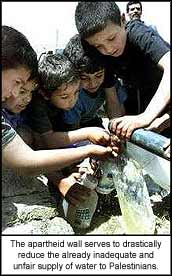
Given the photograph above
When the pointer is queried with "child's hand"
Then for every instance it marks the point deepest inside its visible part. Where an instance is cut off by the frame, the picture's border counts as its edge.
(72, 191)
(98, 135)
(115, 143)
(124, 126)
(100, 152)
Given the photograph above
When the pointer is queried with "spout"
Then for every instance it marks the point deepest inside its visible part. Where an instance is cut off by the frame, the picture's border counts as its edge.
(150, 141)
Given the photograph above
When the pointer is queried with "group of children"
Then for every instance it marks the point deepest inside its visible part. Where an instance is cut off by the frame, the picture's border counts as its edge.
(42, 124)
(54, 104)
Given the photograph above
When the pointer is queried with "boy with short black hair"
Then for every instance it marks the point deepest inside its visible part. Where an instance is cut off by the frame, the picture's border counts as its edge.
(95, 90)
(136, 53)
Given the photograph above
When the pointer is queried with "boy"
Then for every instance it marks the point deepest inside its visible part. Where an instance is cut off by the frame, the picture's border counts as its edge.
(136, 53)
(19, 63)
(93, 91)
(59, 88)
(13, 107)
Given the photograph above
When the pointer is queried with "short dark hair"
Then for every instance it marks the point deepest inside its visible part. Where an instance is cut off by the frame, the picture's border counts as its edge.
(75, 52)
(17, 51)
(55, 70)
(92, 17)
(131, 3)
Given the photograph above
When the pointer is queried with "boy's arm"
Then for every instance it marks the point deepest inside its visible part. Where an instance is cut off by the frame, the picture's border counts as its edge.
(25, 161)
(162, 95)
(112, 105)
(124, 126)
(160, 123)
(53, 139)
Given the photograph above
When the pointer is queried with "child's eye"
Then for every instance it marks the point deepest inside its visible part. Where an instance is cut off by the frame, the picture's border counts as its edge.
(99, 76)
(23, 91)
(64, 97)
(110, 39)
(18, 82)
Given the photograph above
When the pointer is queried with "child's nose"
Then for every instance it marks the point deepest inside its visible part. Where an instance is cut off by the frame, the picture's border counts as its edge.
(92, 83)
(109, 49)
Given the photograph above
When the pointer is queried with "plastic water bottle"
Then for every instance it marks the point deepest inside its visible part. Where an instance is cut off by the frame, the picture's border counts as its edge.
(80, 216)
(106, 182)
(133, 196)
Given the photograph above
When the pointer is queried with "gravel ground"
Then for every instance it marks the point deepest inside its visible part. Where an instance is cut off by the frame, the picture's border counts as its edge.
(108, 220)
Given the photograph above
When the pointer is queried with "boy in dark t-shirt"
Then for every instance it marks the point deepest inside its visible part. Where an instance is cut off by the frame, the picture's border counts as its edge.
(135, 53)
(59, 89)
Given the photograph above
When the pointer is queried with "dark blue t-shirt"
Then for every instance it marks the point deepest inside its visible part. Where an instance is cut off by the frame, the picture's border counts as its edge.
(137, 66)
(88, 104)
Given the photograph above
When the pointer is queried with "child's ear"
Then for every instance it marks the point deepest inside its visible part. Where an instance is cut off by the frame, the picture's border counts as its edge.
(123, 19)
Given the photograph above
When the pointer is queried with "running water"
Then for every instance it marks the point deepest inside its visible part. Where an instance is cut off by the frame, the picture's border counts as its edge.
(133, 196)
(106, 183)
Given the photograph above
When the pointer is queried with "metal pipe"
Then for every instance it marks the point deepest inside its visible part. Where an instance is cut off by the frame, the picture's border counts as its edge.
(150, 141)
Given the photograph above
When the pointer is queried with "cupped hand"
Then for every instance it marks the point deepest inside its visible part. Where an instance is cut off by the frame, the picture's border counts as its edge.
(100, 152)
(98, 135)
(115, 143)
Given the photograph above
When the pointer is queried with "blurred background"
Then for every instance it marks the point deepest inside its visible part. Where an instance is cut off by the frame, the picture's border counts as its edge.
(49, 25)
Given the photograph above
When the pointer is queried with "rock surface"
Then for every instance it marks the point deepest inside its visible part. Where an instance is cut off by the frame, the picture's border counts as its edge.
(28, 208)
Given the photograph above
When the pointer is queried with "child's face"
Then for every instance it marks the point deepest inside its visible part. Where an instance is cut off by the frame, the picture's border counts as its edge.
(92, 82)
(19, 103)
(110, 41)
(66, 95)
(12, 81)
(135, 11)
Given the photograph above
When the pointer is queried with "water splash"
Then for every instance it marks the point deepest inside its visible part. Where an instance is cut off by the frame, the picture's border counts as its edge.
(133, 196)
